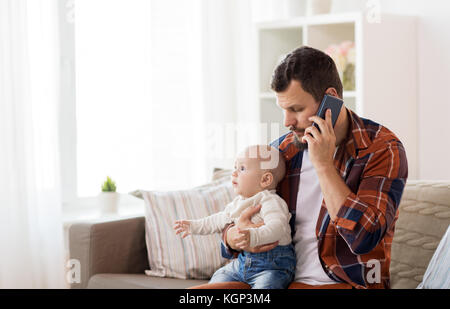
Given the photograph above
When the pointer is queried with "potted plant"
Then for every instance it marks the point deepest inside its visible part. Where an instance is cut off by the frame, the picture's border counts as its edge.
(109, 198)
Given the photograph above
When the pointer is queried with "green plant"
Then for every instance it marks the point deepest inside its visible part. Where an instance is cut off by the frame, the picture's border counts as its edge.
(109, 185)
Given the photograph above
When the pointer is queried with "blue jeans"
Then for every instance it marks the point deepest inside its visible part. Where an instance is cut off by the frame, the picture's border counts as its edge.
(274, 269)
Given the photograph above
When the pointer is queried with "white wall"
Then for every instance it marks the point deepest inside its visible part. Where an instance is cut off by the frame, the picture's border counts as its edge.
(433, 67)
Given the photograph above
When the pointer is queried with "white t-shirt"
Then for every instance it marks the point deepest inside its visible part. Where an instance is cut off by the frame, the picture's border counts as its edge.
(309, 200)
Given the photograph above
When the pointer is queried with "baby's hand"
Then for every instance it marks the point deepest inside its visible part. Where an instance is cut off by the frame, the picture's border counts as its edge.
(243, 239)
(182, 226)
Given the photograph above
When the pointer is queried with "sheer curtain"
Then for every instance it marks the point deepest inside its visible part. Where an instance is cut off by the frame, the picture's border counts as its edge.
(31, 234)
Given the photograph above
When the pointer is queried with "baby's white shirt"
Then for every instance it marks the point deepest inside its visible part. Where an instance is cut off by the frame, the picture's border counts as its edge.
(274, 212)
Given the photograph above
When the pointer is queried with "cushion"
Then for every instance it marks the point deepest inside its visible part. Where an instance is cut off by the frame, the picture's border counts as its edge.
(196, 256)
(219, 173)
(424, 215)
(437, 275)
(138, 281)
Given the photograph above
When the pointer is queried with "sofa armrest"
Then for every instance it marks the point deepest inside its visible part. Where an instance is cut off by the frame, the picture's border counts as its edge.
(108, 247)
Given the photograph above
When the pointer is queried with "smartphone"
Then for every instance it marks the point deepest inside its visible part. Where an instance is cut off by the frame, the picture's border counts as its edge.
(329, 102)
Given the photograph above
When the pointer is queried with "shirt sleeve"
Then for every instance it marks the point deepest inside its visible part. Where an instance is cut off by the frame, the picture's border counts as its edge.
(276, 217)
(365, 215)
(212, 224)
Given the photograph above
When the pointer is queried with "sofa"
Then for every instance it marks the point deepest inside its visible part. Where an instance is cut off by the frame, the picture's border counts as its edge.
(113, 254)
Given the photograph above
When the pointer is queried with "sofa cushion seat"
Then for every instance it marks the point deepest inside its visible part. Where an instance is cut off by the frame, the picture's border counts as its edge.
(138, 281)
(423, 219)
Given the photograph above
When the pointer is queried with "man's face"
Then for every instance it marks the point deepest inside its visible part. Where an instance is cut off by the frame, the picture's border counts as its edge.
(298, 106)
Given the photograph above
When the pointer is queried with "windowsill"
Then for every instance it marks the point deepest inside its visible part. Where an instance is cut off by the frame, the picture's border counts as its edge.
(89, 209)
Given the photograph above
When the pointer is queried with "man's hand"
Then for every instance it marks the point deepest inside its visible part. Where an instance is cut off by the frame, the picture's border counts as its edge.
(243, 239)
(321, 144)
(243, 223)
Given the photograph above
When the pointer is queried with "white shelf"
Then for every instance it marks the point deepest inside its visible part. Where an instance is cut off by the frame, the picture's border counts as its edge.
(349, 94)
(267, 95)
(271, 95)
(324, 19)
(385, 67)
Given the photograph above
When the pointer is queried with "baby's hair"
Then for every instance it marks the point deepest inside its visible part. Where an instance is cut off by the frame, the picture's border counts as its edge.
(270, 159)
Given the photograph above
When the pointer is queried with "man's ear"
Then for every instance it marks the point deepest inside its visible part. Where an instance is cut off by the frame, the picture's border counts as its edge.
(266, 179)
(331, 91)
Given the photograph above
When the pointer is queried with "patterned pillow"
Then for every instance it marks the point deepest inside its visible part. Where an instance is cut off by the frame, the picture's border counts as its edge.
(196, 256)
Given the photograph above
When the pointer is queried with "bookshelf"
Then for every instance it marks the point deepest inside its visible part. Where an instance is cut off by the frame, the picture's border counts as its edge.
(384, 68)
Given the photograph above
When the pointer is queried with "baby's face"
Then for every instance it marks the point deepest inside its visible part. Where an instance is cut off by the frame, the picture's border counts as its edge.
(247, 175)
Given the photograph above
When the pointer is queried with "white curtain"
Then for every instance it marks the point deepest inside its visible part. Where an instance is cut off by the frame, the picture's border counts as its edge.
(31, 234)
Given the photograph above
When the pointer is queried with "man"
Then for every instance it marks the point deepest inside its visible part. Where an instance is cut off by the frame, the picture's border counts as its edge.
(343, 185)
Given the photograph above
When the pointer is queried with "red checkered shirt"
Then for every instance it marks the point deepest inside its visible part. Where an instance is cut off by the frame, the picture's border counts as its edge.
(356, 247)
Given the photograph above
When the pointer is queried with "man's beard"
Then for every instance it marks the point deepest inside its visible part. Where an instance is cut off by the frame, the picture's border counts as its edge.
(297, 143)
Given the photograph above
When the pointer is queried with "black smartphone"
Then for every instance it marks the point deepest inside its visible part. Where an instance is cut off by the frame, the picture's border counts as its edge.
(329, 102)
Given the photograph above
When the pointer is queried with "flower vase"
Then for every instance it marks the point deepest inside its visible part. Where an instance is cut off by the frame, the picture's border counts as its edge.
(315, 7)
(349, 77)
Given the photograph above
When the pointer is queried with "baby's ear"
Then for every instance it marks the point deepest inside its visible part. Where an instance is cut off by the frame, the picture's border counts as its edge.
(266, 179)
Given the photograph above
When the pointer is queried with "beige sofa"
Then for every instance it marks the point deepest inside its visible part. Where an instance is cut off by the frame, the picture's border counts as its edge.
(113, 254)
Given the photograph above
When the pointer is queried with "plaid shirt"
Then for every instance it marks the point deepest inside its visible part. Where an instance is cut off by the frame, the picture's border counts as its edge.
(356, 247)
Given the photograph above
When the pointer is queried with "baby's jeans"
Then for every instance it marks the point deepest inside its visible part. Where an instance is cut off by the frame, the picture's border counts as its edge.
(274, 269)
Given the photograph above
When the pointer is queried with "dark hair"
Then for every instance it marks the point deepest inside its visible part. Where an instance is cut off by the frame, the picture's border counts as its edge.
(314, 69)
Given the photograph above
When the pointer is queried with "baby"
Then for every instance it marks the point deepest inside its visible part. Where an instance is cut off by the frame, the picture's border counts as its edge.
(257, 171)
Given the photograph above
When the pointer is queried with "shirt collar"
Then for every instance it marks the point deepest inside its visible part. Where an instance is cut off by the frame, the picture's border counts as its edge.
(287, 147)
(357, 138)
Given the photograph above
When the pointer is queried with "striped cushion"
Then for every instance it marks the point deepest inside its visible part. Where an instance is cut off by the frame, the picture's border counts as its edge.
(196, 256)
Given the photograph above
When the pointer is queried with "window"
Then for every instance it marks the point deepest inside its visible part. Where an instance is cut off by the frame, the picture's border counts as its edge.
(139, 104)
